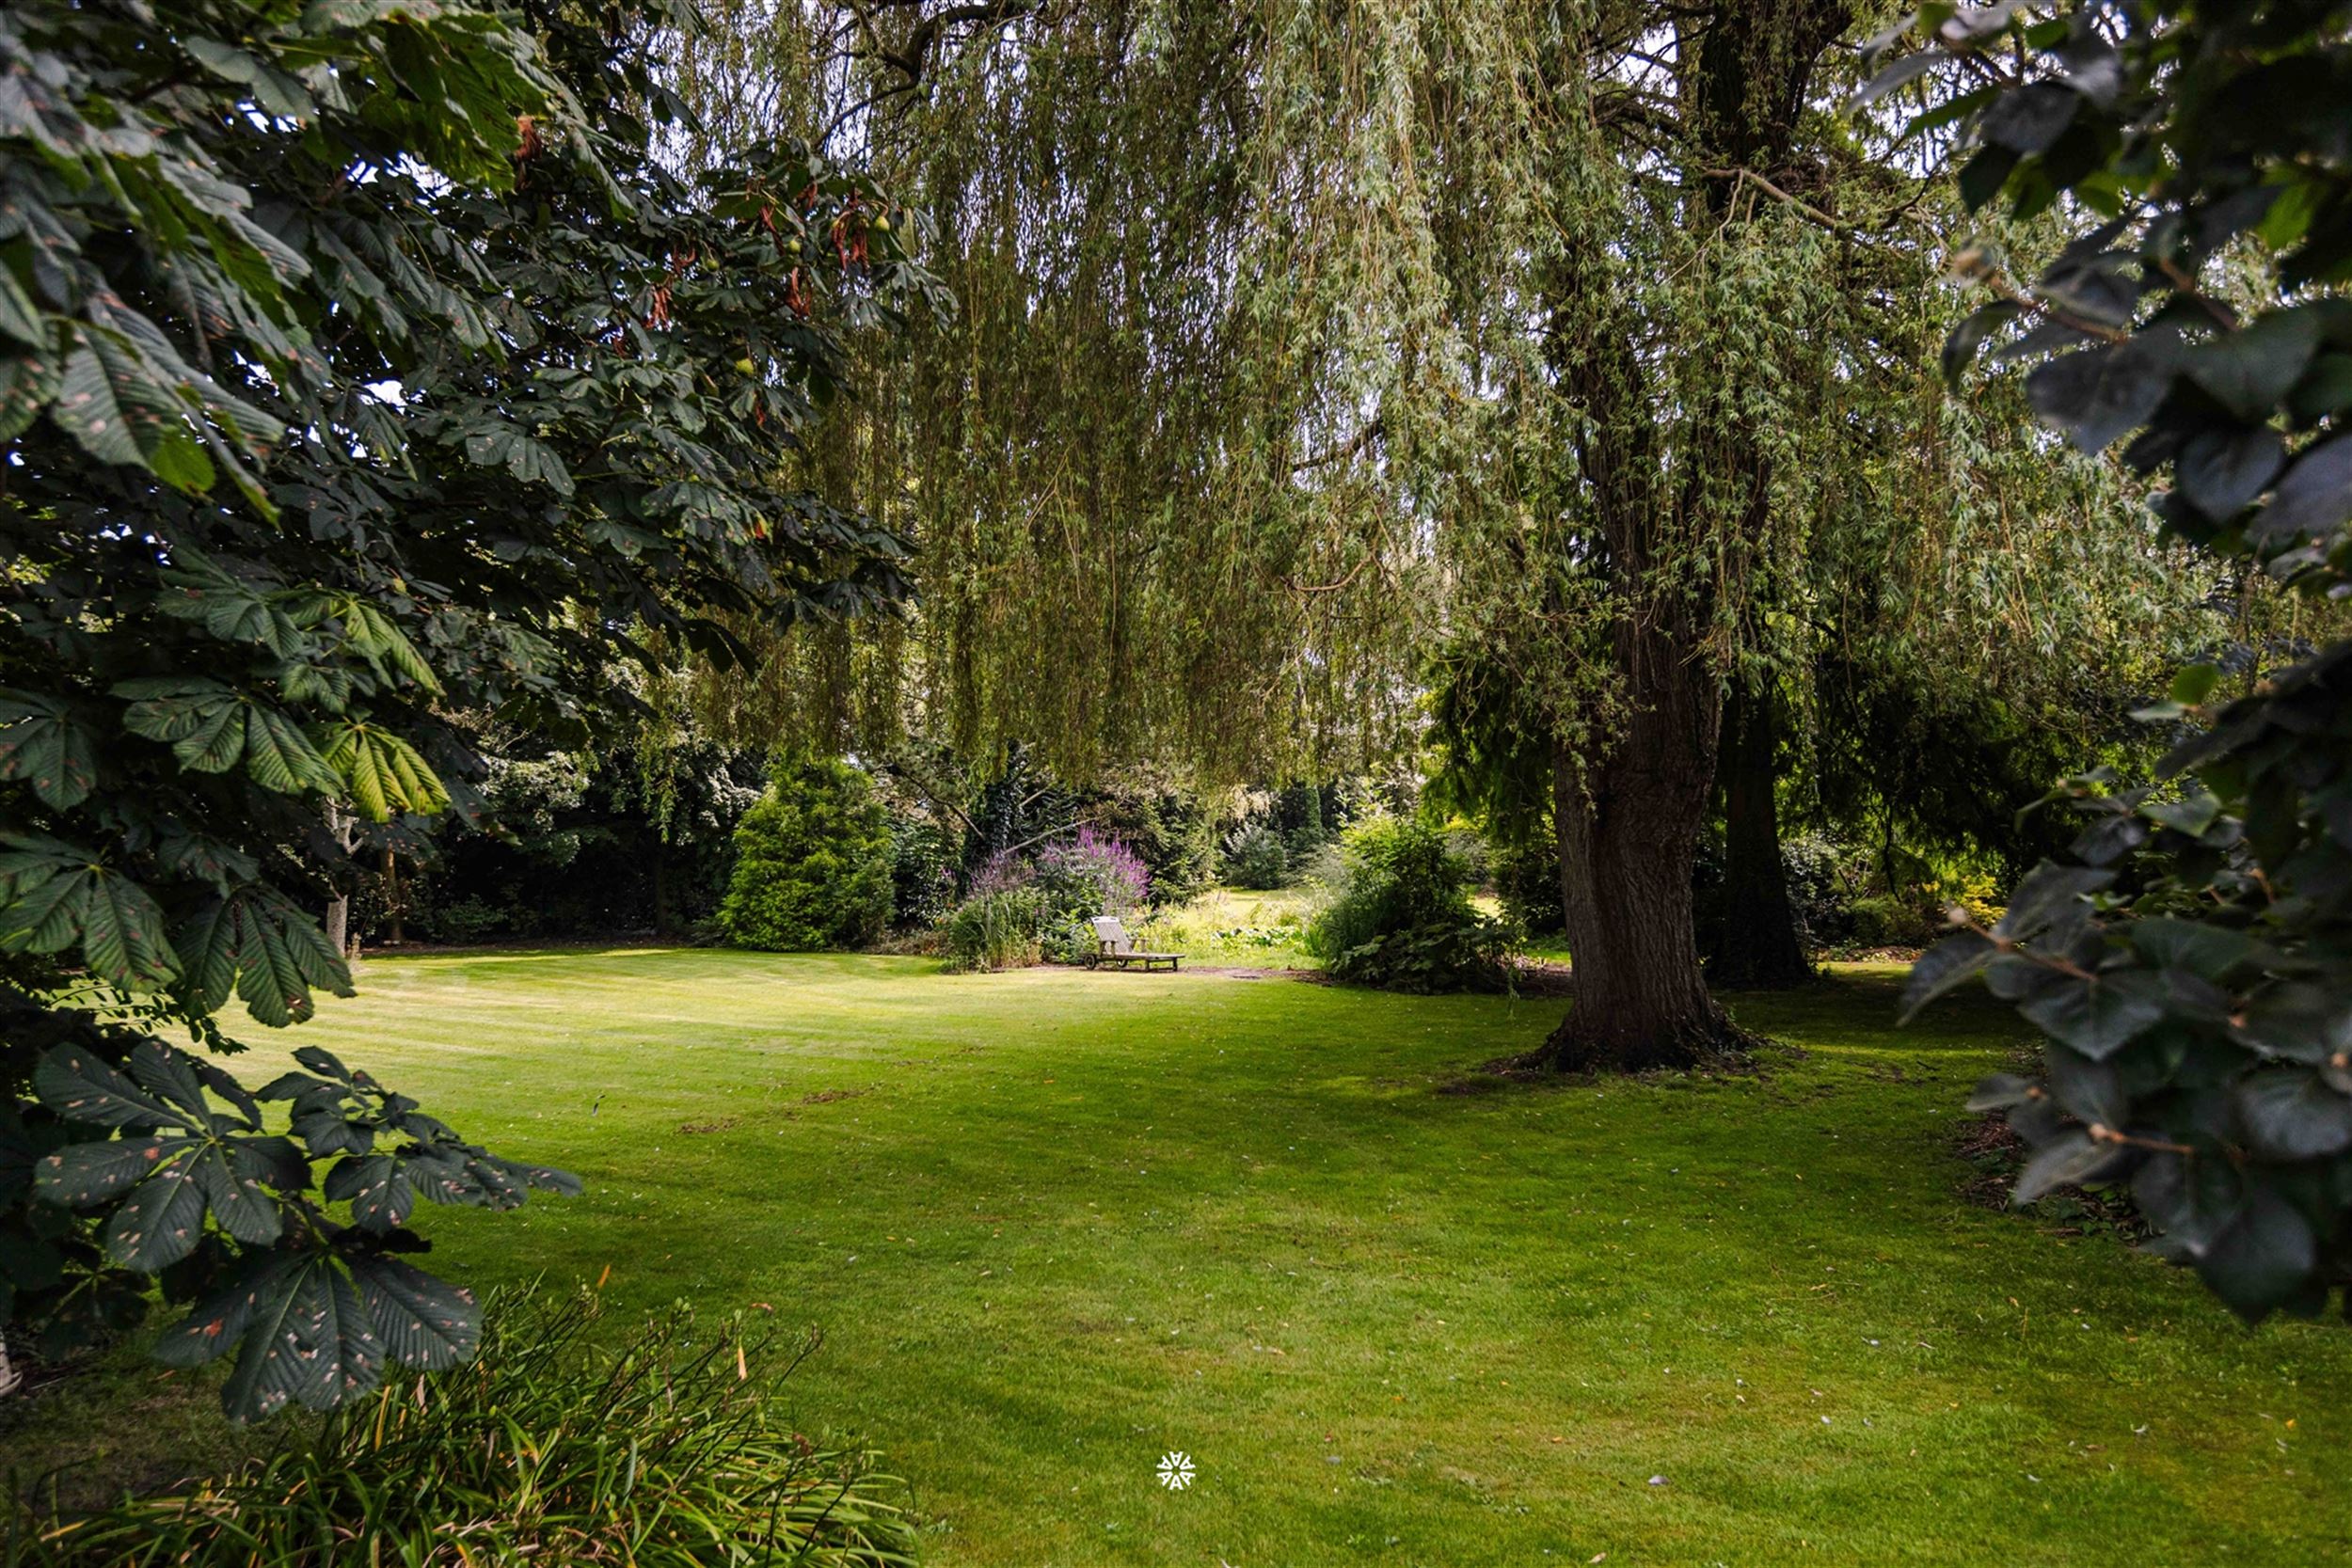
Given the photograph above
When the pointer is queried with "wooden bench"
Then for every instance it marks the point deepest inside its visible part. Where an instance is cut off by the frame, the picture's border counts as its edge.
(1114, 946)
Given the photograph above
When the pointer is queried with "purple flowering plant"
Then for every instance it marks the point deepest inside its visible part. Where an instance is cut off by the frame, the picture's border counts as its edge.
(1101, 864)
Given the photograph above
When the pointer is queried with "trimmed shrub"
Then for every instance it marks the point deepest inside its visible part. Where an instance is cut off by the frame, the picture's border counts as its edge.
(812, 862)
(1402, 919)
(671, 1451)
(1256, 857)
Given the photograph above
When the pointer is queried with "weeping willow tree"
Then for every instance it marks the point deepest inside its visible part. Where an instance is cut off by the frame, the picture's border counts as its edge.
(1300, 342)
(1177, 466)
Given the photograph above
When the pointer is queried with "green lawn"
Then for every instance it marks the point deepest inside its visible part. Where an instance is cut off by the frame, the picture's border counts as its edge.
(1057, 1224)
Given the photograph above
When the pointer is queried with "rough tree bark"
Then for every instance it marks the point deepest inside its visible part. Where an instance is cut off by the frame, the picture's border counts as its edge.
(1758, 947)
(1628, 830)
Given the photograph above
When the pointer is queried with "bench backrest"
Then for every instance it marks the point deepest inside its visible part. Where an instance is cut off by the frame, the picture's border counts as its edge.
(1111, 935)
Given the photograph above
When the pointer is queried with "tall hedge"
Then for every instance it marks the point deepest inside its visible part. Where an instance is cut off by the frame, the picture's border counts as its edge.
(812, 866)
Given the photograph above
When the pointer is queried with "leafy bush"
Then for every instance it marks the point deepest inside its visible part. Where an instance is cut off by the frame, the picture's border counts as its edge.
(1527, 880)
(1402, 917)
(812, 862)
(1324, 872)
(1892, 919)
(1468, 846)
(669, 1453)
(1002, 928)
(1020, 911)
(2190, 960)
(1822, 883)
(1256, 857)
(1071, 942)
(642, 840)
(476, 919)
(1838, 892)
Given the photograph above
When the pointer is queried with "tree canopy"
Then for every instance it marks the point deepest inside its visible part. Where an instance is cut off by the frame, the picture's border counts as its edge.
(1579, 346)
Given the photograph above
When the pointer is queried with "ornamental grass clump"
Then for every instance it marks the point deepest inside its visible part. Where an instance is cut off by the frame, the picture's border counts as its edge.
(669, 1452)
(1001, 930)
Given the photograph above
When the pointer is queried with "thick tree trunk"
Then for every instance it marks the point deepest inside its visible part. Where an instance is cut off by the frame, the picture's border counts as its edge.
(1759, 946)
(1680, 508)
(1628, 830)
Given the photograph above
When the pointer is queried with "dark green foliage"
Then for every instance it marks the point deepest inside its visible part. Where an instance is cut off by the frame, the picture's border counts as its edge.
(361, 367)
(1494, 767)
(1256, 857)
(1304, 815)
(1527, 880)
(1822, 882)
(1849, 897)
(667, 1452)
(2191, 956)
(812, 861)
(1021, 808)
(923, 858)
(1170, 827)
(1919, 765)
(1402, 919)
(311, 1309)
(1890, 920)
(634, 839)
